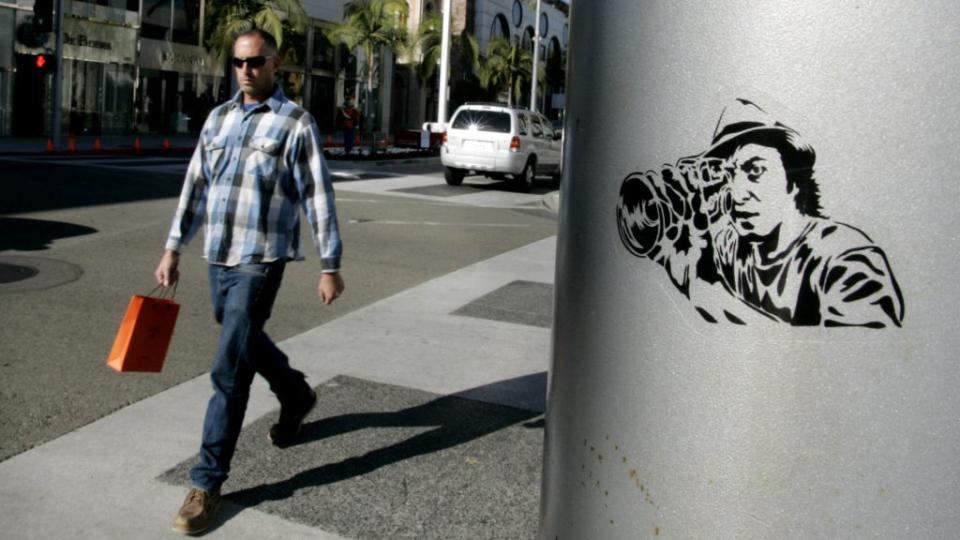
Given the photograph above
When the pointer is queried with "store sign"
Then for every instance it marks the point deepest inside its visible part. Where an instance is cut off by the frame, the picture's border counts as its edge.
(97, 42)
(166, 56)
(81, 40)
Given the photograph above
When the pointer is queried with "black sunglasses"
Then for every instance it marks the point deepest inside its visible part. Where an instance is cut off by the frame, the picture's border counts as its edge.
(252, 61)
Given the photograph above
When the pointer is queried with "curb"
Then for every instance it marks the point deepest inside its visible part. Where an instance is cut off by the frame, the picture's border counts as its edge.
(551, 201)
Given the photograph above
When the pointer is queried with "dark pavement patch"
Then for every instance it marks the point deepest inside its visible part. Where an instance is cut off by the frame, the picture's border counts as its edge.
(520, 302)
(40, 273)
(438, 190)
(378, 461)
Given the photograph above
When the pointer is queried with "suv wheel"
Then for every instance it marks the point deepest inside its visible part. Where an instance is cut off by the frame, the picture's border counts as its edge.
(528, 174)
(454, 177)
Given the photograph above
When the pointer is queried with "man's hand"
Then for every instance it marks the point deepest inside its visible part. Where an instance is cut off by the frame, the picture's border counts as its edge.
(166, 272)
(330, 287)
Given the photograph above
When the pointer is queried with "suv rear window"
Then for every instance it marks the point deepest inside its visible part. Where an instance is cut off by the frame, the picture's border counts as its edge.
(494, 121)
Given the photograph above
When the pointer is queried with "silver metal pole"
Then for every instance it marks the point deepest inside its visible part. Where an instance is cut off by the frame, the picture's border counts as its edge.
(58, 79)
(536, 60)
(755, 315)
(444, 65)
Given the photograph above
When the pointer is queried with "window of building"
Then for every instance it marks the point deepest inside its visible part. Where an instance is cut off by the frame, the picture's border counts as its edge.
(156, 20)
(527, 41)
(174, 20)
(186, 21)
(129, 5)
(324, 52)
(499, 28)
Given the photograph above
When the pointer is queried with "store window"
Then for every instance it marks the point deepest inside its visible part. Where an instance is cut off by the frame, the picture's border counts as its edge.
(176, 20)
(99, 97)
(156, 20)
(129, 5)
(324, 52)
(186, 21)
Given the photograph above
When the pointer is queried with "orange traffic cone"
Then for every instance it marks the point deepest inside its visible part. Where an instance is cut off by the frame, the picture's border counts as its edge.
(136, 145)
(50, 144)
(71, 144)
(166, 143)
(97, 145)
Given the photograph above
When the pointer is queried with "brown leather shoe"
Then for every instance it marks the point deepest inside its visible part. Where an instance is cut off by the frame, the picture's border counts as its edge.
(197, 512)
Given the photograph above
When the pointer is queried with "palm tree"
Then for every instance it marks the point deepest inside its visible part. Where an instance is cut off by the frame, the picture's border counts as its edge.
(507, 66)
(227, 18)
(464, 50)
(371, 25)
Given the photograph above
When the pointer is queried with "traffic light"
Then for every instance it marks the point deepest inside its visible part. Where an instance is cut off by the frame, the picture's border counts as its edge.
(43, 16)
(44, 62)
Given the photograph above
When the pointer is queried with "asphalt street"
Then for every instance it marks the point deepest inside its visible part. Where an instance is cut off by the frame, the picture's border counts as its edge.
(92, 231)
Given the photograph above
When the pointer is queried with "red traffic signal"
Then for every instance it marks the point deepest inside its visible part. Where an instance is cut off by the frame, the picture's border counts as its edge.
(44, 62)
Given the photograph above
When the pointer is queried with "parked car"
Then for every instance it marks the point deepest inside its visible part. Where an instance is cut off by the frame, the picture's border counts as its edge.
(495, 140)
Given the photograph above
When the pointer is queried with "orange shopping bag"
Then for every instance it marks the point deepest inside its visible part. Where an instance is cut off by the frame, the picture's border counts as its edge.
(144, 335)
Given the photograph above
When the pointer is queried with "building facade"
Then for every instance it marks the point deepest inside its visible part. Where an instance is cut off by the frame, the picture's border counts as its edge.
(140, 66)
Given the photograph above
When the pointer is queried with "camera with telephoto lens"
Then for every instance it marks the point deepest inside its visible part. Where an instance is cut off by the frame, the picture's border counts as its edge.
(662, 211)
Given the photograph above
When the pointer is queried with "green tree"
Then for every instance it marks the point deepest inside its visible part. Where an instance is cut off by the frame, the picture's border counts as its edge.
(227, 18)
(464, 50)
(371, 25)
(507, 67)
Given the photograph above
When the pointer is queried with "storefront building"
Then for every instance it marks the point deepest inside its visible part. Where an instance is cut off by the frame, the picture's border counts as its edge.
(177, 85)
(8, 17)
(98, 68)
(139, 66)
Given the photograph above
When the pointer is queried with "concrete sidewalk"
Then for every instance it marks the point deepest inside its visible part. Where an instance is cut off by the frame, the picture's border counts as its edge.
(429, 425)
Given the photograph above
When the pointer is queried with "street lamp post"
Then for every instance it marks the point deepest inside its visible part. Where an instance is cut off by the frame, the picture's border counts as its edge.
(536, 60)
(444, 65)
(58, 78)
(731, 364)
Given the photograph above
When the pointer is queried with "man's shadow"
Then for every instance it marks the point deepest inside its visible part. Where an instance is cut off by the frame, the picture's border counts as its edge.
(457, 419)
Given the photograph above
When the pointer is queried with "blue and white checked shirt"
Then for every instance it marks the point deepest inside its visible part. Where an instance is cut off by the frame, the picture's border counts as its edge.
(249, 173)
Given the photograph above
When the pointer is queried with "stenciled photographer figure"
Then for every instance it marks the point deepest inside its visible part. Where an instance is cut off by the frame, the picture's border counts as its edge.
(746, 215)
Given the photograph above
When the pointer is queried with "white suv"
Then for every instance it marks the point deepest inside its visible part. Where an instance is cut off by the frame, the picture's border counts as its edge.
(495, 140)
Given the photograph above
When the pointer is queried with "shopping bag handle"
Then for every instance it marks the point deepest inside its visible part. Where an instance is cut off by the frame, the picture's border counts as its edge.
(163, 291)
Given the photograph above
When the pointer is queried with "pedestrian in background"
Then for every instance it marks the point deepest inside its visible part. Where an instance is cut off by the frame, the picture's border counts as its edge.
(349, 121)
(258, 159)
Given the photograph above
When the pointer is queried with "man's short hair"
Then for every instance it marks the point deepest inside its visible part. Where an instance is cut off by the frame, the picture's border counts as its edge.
(267, 38)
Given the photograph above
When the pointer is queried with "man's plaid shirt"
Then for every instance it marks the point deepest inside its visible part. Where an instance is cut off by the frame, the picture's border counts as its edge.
(249, 173)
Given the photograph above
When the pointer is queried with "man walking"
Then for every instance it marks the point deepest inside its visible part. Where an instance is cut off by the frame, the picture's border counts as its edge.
(259, 157)
(350, 120)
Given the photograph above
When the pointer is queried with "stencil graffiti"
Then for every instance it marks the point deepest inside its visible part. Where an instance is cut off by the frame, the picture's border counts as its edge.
(745, 215)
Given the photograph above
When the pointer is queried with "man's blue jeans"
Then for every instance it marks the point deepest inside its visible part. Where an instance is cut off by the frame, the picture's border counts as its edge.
(242, 296)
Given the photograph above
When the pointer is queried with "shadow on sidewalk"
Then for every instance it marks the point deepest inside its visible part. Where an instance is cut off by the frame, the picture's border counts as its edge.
(36, 234)
(32, 187)
(457, 420)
